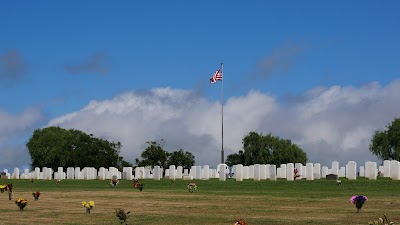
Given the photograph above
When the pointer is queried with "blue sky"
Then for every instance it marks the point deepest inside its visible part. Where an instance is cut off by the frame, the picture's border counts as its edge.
(80, 64)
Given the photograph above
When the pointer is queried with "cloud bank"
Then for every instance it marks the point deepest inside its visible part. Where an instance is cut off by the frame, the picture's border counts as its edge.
(330, 123)
(15, 128)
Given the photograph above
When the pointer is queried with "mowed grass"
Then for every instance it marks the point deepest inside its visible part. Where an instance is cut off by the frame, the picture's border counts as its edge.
(214, 203)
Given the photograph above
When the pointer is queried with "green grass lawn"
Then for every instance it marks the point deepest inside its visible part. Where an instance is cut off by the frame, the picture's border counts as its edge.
(214, 202)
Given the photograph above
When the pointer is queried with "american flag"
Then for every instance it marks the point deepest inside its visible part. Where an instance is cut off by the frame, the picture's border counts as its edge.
(217, 76)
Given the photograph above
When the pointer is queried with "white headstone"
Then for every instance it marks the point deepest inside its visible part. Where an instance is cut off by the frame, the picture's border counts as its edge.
(49, 173)
(70, 173)
(27, 174)
(351, 171)
(268, 174)
(139, 172)
(193, 171)
(16, 173)
(102, 173)
(239, 172)
(77, 172)
(283, 171)
(198, 172)
(60, 170)
(290, 171)
(317, 171)
(342, 171)
(263, 172)
(366, 169)
(179, 171)
(222, 171)
(309, 171)
(128, 173)
(257, 172)
(245, 172)
(325, 172)
(362, 171)
(172, 172)
(372, 171)
(37, 173)
(380, 171)
(299, 168)
(206, 172)
(156, 173)
(394, 170)
(251, 172)
(278, 172)
(45, 171)
(335, 168)
(386, 168)
(272, 172)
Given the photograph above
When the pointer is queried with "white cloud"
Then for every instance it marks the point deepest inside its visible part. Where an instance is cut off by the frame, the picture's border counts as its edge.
(15, 128)
(333, 123)
(329, 123)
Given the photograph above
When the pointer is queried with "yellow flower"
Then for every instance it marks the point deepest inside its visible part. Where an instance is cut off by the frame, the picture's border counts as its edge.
(89, 204)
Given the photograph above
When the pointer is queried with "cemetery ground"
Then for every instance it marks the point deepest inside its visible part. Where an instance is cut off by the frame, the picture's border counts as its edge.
(213, 203)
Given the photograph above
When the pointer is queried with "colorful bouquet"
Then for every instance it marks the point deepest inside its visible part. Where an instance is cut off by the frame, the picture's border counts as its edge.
(88, 205)
(295, 173)
(114, 182)
(122, 215)
(239, 222)
(382, 221)
(192, 187)
(3, 188)
(36, 195)
(21, 202)
(359, 201)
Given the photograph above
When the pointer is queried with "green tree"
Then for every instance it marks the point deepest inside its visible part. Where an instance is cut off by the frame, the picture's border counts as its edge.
(258, 148)
(285, 151)
(235, 158)
(153, 155)
(268, 149)
(57, 147)
(180, 158)
(386, 144)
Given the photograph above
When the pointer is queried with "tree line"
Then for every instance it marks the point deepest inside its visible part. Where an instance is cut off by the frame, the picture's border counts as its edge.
(57, 147)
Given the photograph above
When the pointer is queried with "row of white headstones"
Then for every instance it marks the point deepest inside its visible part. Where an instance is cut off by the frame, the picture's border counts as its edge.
(310, 171)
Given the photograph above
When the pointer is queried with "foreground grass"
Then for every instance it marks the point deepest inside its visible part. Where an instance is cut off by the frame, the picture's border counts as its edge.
(214, 203)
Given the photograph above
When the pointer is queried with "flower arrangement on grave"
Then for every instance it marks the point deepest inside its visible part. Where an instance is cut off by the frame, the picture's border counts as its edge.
(381, 221)
(88, 206)
(135, 183)
(114, 182)
(58, 182)
(192, 187)
(359, 201)
(8, 188)
(3, 188)
(21, 202)
(239, 222)
(36, 195)
(338, 182)
(122, 216)
(296, 173)
(140, 186)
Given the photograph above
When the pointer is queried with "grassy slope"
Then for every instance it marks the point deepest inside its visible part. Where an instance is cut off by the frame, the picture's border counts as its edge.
(215, 202)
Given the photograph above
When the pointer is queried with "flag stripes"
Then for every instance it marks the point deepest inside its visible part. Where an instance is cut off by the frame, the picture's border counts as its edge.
(217, 76)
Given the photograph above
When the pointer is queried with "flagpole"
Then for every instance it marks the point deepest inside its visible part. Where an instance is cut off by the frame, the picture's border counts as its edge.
(222, 115)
